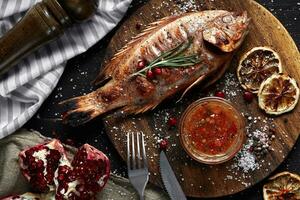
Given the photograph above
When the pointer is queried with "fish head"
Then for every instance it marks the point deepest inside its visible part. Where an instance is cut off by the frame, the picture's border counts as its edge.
(227, 31)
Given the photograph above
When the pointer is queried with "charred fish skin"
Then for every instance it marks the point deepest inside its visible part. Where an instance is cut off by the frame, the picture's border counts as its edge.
(213, 36)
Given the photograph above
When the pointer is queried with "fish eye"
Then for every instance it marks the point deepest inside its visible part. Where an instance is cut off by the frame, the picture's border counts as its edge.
(227, 19)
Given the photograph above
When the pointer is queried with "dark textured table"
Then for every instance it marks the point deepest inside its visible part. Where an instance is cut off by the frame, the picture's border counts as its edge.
(81, 71)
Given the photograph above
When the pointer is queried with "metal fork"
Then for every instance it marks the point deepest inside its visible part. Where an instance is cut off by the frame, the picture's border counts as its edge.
(137, 162)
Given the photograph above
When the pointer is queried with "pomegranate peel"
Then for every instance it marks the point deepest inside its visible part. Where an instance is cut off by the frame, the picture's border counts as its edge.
(39, 163)
(47, 168)
(84, 177)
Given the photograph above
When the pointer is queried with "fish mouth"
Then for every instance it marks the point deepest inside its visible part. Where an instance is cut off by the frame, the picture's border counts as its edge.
(234, 44)
(240, 41)
(228, 37)
(243, 30)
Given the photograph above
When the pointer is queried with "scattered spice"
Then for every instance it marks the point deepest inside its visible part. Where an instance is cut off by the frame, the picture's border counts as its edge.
(260, 131)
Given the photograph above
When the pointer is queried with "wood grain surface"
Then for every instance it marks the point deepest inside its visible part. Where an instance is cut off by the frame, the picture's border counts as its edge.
(199, 180)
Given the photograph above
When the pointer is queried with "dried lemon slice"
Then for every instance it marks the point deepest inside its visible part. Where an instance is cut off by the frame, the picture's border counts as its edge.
(285, 186)
(278, 94)
(256, 66)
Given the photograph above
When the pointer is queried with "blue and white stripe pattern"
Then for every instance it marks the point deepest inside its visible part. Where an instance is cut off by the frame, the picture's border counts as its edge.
(24, 89)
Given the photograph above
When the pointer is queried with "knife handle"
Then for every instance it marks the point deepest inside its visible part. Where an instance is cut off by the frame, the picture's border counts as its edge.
(43, 23)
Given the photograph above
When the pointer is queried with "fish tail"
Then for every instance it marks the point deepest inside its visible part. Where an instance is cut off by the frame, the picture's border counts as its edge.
(85, 108)
(79, 110)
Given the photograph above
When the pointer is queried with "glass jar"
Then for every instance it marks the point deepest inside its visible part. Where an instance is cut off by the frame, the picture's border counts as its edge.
(212, 130)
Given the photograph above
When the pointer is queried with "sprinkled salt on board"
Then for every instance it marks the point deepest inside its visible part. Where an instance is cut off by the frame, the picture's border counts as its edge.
(259, 130)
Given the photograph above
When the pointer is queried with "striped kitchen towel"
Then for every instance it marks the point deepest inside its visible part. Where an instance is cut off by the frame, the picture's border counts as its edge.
(25, 88)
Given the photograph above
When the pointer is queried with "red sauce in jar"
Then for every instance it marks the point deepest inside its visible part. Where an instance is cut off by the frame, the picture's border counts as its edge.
(211, 127)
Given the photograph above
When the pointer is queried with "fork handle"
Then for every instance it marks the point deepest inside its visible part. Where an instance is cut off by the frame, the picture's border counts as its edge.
(141, 196)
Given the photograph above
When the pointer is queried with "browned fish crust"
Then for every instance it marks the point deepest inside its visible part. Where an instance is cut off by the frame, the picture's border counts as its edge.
(212, 37)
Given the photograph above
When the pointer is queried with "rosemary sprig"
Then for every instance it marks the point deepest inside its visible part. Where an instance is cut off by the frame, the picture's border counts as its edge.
(172, 58)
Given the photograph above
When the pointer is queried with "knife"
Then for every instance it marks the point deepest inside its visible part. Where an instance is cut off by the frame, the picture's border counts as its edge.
(169, 179)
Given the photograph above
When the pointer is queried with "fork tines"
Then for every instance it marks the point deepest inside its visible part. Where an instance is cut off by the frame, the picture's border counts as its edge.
(136, 154)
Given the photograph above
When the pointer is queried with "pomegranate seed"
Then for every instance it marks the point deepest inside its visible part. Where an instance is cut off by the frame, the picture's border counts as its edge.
(251, 149)
(64, 169)
(61, 177)
(40, 164)
(220, 94)
(28, 153)
(54, 154)
(40, 175)
(163, 145)
(172, 121)
(138, 26)
(80, 188)
(141, 64)
(157, 71)
(150, 74)
(248, 96)
(49, 177)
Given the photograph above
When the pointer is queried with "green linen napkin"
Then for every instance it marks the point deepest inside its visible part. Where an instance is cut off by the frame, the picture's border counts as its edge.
(13, 182)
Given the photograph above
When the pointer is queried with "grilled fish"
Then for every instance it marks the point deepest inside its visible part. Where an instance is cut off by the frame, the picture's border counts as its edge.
(211, 35)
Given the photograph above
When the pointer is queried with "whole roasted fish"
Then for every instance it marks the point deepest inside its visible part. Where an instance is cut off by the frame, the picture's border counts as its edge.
(171, 55)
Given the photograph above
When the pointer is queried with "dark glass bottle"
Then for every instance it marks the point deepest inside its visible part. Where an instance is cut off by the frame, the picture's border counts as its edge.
(44, 22)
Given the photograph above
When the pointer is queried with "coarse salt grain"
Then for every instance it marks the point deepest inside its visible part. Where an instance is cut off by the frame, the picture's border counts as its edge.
(246, 161)
(261, 136)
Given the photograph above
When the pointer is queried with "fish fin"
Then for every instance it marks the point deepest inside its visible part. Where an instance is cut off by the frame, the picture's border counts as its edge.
(138, 109)
(200, 79)
(85, 108)
(217, 74)
(101, 79)
(109, 69)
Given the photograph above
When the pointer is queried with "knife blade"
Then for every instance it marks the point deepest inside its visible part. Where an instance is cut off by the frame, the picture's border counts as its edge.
(169, 179)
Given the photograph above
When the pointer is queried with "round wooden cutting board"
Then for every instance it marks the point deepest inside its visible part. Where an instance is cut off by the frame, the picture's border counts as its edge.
(200, 180)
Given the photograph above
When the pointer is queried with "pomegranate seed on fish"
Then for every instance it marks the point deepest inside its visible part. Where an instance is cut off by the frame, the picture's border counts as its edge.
(157, 71)
(141, 64)
(150, 74)
(220, 94)
(172, 121)
(248, 96)
(163, 145)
